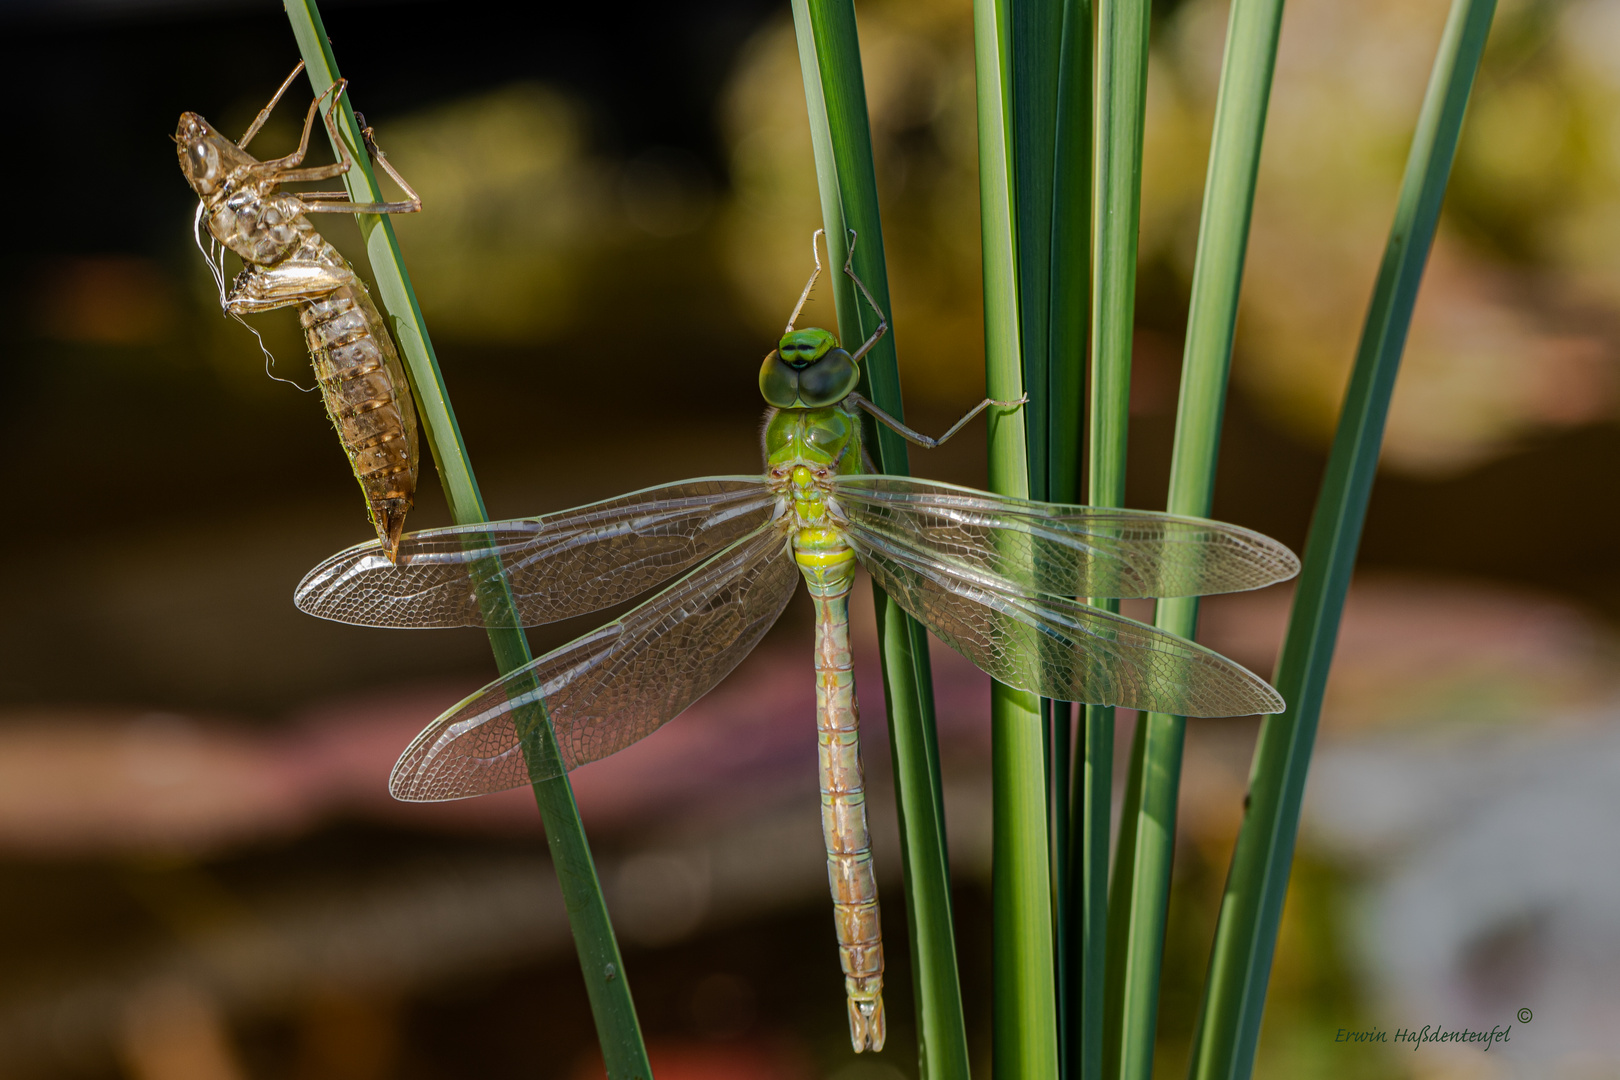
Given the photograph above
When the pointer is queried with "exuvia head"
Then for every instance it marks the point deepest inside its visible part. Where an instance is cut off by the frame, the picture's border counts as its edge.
(807, 370)
(206, 156)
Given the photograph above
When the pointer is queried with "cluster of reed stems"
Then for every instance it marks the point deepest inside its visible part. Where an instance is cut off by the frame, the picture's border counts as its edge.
(1078, 945)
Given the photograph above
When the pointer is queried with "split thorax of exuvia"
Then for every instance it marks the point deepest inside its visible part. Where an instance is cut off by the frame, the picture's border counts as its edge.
(243, 210)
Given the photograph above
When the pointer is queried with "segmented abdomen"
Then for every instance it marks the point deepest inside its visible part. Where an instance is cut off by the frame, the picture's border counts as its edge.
(368, 400)
(829, 571)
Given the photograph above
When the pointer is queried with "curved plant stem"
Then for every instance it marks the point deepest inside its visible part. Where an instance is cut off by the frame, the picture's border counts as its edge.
(616, 1025)
(1246, 932)
(829, 57)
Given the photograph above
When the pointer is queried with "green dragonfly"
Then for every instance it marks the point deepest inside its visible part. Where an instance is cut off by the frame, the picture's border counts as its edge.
(1000, 580)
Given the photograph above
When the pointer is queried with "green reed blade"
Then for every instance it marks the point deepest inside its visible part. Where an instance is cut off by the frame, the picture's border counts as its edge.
(1121, 88)
(1223, 238)
(1088, 944)
(1080, 907)
(835, 94)
(1246, 933)
(1137, 898)
(1050, 136)
(1070, 320)
(1025, 1009)
(1057, 719)
(1037, 41)
(1152, 792)
(616, 1024)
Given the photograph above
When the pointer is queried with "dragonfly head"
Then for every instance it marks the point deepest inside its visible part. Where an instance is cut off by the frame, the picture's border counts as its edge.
(206, 156)
(807, 370)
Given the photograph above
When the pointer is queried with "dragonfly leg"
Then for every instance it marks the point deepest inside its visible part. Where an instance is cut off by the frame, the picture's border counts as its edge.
(317, 203)
(264, 113)
(917, 437)
(381, 159)
(815, 253)
(285, 169)
(883, 320)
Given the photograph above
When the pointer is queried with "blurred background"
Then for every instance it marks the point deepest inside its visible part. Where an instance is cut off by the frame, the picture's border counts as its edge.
(201, 874)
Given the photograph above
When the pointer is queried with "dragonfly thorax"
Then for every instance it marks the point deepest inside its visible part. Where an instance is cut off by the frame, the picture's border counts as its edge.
(823, 439)
(807, 370)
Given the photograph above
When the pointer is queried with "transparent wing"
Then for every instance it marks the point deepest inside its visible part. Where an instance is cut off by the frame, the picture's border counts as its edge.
(1060, 648)
(1065, 551)
(615, 685)
(558, 565)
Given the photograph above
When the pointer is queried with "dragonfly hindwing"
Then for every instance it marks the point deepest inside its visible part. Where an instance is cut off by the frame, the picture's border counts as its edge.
(612, 687)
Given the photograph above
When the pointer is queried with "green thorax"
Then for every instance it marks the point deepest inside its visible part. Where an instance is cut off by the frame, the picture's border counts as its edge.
(825, 440)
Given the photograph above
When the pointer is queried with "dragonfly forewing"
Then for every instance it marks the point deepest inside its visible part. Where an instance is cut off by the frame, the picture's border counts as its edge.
(1063, 551)
(557, 566)
(1060, 648)
(614, 686)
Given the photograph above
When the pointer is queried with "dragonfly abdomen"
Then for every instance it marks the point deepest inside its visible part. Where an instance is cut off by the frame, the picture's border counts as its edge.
(828, 566)
(365, 393)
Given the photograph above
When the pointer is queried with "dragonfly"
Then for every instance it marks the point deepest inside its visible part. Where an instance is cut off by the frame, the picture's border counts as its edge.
(1003, 581)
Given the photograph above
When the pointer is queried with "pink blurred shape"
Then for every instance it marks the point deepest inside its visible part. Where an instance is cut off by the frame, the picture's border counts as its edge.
(672, 1060)
(96, 782)
(92, 782)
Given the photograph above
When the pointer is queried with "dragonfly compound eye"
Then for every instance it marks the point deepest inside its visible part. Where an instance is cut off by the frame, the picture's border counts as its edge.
(823, 382)
(829, 380)
(200, 162)
(778, 382)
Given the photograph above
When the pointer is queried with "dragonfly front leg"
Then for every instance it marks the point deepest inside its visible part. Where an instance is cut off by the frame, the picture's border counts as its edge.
(917, 437)
(318, 202)
(264, 113)
(828, 566)
(883, 320)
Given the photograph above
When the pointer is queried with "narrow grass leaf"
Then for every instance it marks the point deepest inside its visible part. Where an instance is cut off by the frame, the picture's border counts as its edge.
(1025, 1008)
(1246, 932)
(835, 94)
(1155, 780)
(1121, 89)
(1068, 321)
(1070, 291)
(616, 1024)
(1036, 49)
(1082, 890)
